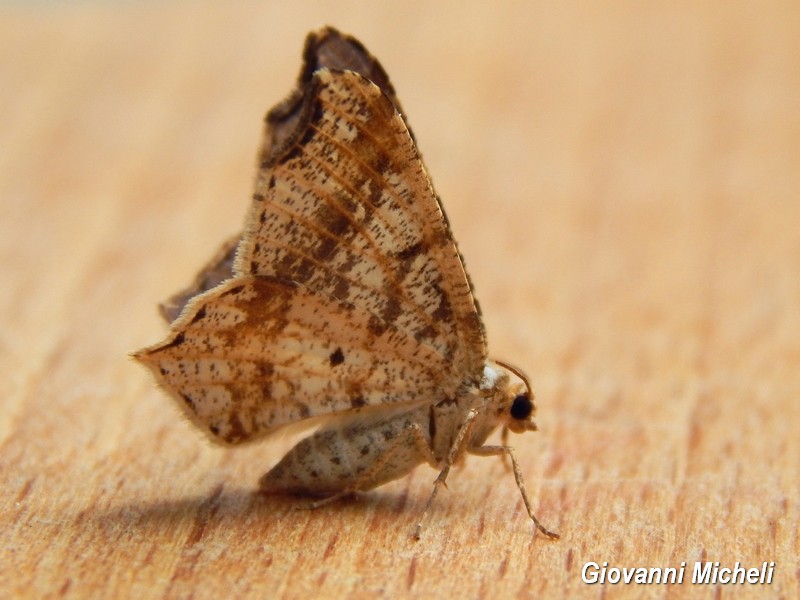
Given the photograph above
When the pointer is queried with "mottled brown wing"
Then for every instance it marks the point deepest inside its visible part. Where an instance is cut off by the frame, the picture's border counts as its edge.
(258, 353)
(348, 291)
(326, 48)
(347, 210)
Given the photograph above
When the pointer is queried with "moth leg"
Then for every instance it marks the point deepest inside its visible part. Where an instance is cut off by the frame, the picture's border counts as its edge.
(509, 451)
(456, 451)
(327, 500)
(504, 440)
(422, 444)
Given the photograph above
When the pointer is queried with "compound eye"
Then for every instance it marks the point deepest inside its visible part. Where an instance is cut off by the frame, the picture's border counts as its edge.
(522, 407)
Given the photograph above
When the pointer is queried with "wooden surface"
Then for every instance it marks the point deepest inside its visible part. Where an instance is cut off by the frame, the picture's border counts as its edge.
(623, 181)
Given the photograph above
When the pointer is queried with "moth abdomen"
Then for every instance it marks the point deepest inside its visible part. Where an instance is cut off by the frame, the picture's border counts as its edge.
(354, 455)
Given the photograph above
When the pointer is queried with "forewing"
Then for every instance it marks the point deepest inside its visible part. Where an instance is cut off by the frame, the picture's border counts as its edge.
(326, 48)
(258, 353)
(347, 210)
(347, 292)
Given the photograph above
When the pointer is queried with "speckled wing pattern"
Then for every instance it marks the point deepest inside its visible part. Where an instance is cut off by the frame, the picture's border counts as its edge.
(324, 49)
(348, 291)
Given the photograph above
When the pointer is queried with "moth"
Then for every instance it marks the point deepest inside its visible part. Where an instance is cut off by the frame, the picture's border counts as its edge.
(344, 305)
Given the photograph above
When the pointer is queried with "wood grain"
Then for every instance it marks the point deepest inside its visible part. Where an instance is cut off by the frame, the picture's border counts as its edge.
(623, 181)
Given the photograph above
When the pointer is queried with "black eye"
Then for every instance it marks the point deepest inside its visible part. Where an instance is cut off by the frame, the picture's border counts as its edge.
(522, 407)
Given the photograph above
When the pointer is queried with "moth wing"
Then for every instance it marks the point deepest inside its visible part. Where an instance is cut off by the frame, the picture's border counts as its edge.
(346, 209)
(347, 257)
(326, 48)
(259, 353)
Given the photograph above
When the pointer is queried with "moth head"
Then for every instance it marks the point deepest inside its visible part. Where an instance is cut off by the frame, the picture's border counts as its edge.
(516, 398)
